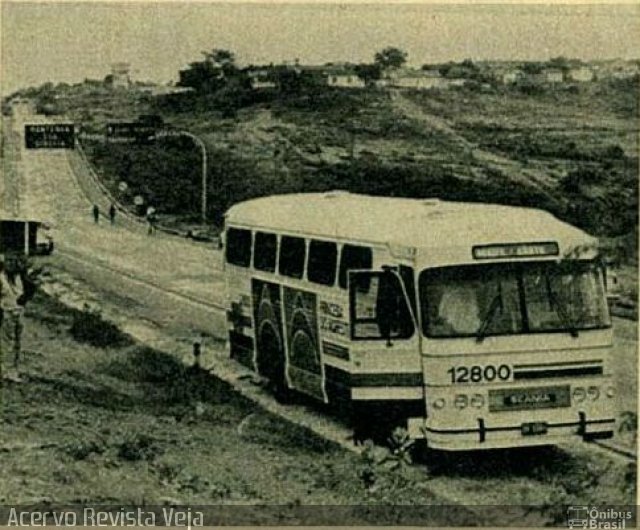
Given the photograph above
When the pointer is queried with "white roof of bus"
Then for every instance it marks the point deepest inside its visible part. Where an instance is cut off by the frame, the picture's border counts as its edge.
(410, 222)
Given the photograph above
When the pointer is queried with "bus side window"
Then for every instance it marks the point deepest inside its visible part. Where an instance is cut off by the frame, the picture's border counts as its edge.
(264, 252)
(323, 256)
(238, 247)
(354, 257)
(292, 254)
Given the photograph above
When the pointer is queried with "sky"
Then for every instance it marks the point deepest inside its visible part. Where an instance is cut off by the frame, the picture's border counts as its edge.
(69, 41)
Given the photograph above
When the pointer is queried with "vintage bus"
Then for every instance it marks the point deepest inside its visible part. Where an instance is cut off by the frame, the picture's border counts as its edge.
(471, 325)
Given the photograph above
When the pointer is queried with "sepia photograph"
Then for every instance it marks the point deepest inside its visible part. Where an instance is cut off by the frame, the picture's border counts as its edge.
(319, 263)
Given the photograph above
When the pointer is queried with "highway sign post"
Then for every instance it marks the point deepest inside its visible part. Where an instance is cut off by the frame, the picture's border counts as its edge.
(136, 132)
(50, 136)
(145, 133)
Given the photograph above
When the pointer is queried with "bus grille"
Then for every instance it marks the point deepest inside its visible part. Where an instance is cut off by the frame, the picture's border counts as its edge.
(559, 369)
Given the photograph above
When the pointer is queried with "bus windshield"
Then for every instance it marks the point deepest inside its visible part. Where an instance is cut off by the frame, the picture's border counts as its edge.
(504, 298)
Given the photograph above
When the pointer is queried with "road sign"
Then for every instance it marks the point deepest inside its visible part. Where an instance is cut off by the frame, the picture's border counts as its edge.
(133, 131)
(50, 136)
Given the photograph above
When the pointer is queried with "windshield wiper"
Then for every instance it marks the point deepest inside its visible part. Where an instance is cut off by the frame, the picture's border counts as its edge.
(561, 311)
(496, 303)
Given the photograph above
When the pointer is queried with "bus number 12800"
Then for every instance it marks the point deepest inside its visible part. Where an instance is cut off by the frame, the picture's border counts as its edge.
(477, 374)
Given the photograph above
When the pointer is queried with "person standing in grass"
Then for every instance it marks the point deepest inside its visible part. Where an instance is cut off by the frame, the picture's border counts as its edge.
(12, 309)
(18, 284)
(96, 213)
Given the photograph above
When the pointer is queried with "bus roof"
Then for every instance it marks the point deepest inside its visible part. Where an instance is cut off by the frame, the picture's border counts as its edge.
(400, 221)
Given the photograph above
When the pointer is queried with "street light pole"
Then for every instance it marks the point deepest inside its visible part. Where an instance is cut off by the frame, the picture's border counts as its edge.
(203, 204)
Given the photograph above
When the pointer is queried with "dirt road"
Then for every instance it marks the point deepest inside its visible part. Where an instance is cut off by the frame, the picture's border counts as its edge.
(512, 169)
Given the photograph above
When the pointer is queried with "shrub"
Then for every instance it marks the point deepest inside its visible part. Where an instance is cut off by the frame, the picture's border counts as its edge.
(613, 152)
(81, 449)
(89, 326)
(137, 447)
(628, 422)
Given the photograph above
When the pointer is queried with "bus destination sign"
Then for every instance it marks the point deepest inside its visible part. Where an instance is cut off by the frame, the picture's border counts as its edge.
(50, 136)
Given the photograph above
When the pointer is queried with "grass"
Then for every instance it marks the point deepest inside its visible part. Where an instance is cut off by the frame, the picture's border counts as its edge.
(131, 424)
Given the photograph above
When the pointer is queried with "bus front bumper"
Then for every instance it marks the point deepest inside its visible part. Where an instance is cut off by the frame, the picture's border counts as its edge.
(486, 436)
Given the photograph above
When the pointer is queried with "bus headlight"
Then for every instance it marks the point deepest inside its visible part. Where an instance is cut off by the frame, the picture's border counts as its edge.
(439, 403)
(477, 401)
(461, 401)
(611, 391)
(593, 392)
(579, 394)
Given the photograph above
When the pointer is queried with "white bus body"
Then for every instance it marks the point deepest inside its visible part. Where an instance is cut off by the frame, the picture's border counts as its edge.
(473, 325)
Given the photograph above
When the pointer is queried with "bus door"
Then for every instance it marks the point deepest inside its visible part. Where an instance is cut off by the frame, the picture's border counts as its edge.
(382, 320)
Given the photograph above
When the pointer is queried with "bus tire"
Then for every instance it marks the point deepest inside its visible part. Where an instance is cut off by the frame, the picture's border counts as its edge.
(271, 363)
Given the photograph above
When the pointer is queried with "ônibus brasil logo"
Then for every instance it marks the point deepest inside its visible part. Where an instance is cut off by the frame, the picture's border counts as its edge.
(598, 517)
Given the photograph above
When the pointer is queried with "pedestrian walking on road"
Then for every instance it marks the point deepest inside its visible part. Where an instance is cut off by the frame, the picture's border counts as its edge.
(11, 310)
(96, 213)
(112, 214)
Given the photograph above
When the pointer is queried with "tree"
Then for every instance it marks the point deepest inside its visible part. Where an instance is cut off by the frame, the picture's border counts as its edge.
(287, 80)
(532, 68)
(202, 76)
(223, 60)
(220, 57)
(368, 72)
(210, 74)
(390, 57)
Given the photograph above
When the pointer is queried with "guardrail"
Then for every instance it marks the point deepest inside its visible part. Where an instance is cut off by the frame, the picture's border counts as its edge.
(96, 192)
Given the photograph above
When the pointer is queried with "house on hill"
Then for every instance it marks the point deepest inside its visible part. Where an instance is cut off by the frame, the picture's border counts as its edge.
(120, 75)
(410, 78)
(580, 74)
(616, 69)
(508, 76)
(260, 78)
(417, 79)
(164, 90)
(550, 75)
(343, 78)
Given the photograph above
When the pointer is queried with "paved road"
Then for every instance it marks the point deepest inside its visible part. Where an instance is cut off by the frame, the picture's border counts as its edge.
(164, 260)
(10, 181)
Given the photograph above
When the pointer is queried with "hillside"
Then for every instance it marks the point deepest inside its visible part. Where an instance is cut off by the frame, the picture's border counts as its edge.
(572, 150)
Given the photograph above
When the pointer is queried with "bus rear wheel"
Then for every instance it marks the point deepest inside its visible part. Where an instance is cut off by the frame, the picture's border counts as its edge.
(271, 364)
